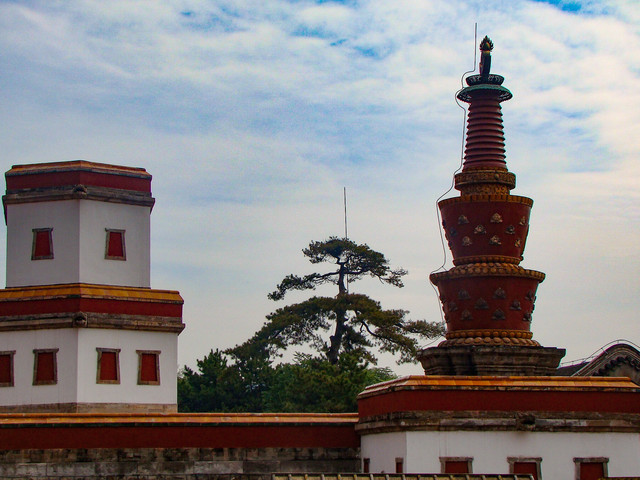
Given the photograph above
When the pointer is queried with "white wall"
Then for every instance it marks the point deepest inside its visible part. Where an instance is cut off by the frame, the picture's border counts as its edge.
(79, 239)
(23, 391)
(383, 449)
(94, 268)
(128, 391)
(63, 217)
(490, 450)
(77, 367)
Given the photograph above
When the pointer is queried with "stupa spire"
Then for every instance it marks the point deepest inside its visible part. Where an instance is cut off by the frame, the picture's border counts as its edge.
(485, 146)
(487, 298)
(486, 45)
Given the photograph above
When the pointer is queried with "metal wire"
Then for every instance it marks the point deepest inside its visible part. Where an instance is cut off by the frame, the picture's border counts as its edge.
(464, 131)
(619, 341)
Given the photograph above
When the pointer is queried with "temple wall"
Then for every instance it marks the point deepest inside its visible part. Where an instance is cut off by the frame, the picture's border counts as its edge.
(77, 368)
(185, 446)
(490, 450)
(127, 391)
(23, 392)
(183, 463)
(64, 267)
(135, 220)
(78, 252)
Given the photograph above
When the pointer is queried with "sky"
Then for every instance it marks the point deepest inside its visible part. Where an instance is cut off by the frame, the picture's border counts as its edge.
(253, 117)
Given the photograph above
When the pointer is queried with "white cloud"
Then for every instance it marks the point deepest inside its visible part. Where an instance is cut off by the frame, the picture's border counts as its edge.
(252, 116)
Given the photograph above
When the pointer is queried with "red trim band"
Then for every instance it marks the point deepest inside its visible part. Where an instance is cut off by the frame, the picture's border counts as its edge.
(15, 437)
(78, 177)
(95, 305)
(483, 400)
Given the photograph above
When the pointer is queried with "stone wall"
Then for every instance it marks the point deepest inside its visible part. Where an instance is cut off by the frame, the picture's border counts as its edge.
(173, 463)
(240, 446)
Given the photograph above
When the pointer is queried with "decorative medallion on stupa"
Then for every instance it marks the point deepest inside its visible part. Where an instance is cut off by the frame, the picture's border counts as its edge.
(487, 297)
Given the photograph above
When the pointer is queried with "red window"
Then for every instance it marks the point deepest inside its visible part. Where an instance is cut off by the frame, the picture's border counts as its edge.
(45, 369)
(108, 365)
(591, 470)
(148, 367)
(366, 465)
(115, 249)
(456, 465)
(42, 248)
(526, 467)
(6, 369)
(399, 465)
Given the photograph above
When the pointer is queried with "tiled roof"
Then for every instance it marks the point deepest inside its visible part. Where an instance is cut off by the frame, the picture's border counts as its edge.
(177, 418)
(76, 165)
(439, 382)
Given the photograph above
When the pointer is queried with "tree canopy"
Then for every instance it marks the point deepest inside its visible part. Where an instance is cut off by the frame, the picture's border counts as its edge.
(312, 384)
(354, 323)
(223, 383)
(346, 331)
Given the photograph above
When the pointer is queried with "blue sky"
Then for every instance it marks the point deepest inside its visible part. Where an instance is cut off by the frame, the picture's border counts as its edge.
(252, 117)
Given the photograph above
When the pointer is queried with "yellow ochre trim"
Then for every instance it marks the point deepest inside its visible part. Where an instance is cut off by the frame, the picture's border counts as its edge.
(482, 198)
(491, 382)
(75, 165)
(184, 418)
(87, 290)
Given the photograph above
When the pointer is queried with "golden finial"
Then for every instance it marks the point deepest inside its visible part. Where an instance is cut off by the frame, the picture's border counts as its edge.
(486, 45)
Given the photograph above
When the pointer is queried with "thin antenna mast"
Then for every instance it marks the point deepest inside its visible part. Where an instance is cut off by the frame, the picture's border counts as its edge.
(444, 249)
(346, 235)
(345, 212)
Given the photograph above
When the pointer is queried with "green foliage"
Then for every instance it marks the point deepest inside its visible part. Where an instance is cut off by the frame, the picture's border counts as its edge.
(313, 384)
(213, 388)
(354, 323)
(354, 262)
(310, 384)
(218, 386)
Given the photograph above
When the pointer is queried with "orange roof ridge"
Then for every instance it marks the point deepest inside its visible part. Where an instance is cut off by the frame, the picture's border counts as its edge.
(230, 418)
(495, 382)
(87, 290)
(75, 165)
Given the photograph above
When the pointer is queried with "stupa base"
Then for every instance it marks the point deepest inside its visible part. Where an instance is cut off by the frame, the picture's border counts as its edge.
(490, 360)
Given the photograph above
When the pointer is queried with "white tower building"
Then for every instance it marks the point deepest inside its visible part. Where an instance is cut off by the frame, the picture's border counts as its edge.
(80, 328)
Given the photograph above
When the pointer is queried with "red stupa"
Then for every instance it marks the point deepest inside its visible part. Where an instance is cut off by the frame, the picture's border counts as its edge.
(487, 297)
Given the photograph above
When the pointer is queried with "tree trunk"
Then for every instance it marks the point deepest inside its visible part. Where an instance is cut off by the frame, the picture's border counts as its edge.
(341, 317)
(336, 339)
(342, 273)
